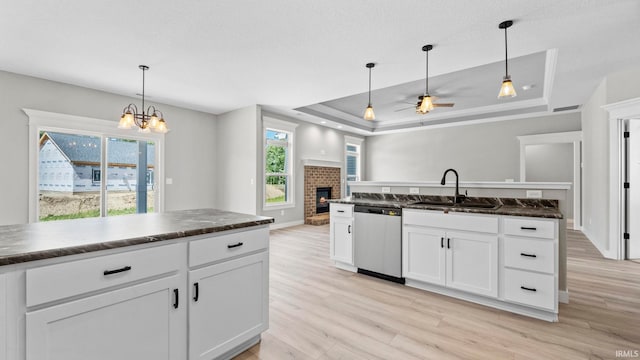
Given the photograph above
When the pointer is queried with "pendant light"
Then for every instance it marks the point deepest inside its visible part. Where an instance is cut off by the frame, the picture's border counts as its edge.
(507, 89)
(368, 112)
(152, 119)
(426, 104)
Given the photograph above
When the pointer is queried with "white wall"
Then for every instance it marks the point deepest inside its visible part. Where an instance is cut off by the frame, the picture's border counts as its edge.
(237, 163)
(189, 145)
(479, 152)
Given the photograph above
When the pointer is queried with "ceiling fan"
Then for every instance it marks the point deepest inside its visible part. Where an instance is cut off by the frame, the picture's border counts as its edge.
(425, 102)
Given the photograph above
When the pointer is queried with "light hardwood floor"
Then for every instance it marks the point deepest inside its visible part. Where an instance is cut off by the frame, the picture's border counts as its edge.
(320, 312)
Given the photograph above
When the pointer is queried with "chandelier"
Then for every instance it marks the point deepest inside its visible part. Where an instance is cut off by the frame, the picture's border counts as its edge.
(152, 119)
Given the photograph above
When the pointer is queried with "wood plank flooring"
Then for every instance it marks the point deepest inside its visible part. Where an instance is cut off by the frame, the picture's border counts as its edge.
(320, 312)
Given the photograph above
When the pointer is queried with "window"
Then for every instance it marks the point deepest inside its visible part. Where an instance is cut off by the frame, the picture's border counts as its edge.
(353, 147)
(278, 163)
(83, 150)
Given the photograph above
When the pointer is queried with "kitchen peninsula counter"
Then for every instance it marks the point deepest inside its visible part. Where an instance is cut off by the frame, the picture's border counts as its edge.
(44, 240)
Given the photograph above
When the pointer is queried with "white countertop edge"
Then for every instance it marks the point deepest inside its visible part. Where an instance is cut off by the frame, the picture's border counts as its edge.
(469, 184)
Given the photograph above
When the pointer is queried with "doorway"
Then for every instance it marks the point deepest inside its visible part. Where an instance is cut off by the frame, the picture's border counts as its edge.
(555, 157)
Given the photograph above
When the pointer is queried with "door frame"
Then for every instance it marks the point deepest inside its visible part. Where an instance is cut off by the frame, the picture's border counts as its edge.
(618, 113)
(573, 137)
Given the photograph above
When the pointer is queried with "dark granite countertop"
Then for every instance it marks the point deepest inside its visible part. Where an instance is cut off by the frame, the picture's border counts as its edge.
(496, 206)
(43, 240)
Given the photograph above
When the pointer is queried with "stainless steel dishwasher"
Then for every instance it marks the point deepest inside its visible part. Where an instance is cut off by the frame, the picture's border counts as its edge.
(378, 242)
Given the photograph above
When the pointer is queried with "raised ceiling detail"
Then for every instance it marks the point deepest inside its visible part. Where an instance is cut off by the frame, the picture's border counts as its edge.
(472, 90)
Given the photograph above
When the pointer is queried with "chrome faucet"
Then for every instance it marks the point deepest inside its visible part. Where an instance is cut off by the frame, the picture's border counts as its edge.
(457, 198)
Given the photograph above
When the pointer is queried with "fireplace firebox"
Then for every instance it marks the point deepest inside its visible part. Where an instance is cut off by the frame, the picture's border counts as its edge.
(323, 194)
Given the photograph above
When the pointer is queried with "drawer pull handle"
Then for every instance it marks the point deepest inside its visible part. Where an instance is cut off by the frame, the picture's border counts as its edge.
(528, 228)
(196, 291)
(349, 229)
(176, 296)
(340, 211)
(448, 243)
(528, 289)
(442, 242)
(231, 246)
(122, 269)
(528, 255)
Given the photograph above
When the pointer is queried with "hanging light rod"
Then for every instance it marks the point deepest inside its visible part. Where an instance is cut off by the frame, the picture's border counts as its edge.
(368, 112)
(152, 119)
(507, 89)
(426, 104)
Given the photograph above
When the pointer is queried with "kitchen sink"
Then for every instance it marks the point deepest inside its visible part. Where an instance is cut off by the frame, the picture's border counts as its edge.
(460, 205)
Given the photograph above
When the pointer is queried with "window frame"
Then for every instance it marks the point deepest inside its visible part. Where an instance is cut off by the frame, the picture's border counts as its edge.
(290, 129)
(81, 125)
(359, 143)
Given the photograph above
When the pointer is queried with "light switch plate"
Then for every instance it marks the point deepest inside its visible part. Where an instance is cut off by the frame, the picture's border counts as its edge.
(534, 194)
(168, 181)
(386, 189)
(414, 190)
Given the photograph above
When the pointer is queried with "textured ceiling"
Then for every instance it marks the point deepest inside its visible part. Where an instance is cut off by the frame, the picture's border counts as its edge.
(221, 55)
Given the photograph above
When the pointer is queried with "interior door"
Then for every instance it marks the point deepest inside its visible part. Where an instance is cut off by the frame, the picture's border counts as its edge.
(633, 206)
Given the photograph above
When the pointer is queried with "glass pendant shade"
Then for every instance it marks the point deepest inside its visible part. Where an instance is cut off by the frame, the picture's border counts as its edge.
(368, 113)
(426, 104)
(161, 127)
(126, 121)
(507, 89)
(153, 121)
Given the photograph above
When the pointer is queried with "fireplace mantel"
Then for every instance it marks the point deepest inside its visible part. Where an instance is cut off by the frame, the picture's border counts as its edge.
(321, 163)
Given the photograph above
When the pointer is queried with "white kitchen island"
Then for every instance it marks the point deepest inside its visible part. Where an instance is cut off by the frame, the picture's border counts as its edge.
(180, 285)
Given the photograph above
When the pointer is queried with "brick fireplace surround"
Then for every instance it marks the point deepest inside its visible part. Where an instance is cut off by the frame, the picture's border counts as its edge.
(315, 177)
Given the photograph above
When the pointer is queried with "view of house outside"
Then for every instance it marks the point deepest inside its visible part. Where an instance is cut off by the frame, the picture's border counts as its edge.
(70, 177)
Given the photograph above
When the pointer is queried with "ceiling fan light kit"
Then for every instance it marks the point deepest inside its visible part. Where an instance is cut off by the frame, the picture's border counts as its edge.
(507, 89)
(152, 119)
(368, 112)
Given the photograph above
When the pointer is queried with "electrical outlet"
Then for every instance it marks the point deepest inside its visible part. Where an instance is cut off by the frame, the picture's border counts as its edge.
(281, 212)
(534, 194)
(168, 181)
(386, 189)
(414, 190)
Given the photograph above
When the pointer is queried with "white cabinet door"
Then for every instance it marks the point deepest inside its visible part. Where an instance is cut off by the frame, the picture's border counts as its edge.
(229, 304)
(3, 319)
(472, 262)
(341, 239)
(139, 322)
(423, 256)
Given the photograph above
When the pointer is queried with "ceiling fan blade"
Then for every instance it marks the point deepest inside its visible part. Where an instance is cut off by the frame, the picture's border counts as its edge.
(444, 105)
(405, 108)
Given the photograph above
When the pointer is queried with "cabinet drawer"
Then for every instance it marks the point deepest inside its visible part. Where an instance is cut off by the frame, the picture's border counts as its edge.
(345, 210)
(221, 247)
(529, 254)
(466, 222)
(59, 281)
(530, 227)
(530, 288)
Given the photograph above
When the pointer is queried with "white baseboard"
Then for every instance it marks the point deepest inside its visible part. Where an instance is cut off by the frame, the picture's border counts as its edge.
(276, 226)
(563, 296)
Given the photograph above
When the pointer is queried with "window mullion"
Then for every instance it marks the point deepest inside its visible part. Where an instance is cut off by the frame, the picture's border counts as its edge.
(103, 176)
